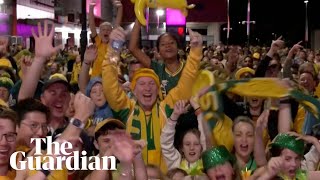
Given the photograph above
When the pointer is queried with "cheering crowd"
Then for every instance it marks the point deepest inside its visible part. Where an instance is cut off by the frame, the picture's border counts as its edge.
(138, 105)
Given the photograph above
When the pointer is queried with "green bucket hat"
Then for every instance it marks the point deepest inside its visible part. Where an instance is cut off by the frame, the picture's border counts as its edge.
(284, 140)
(6, 82)
(216, 156)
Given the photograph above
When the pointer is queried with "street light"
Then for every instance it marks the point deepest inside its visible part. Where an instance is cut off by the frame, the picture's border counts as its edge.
(248, 29)
(159, 12)
(306, 35)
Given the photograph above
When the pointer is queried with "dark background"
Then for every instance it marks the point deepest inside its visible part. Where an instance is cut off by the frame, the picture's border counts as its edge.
(273, 19)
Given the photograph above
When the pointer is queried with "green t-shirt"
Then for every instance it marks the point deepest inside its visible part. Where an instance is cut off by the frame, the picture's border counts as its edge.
(168, 80)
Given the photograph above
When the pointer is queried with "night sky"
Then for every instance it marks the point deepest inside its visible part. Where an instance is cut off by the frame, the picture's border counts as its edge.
(281, 17)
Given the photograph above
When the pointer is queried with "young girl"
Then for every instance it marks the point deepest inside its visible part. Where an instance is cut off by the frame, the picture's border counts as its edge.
(170, 70)
(188, 158)
(287, 152)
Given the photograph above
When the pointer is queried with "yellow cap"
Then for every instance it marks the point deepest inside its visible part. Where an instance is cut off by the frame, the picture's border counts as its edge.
(256, 55)
(109, 120)
(5, 62)
(242, 71)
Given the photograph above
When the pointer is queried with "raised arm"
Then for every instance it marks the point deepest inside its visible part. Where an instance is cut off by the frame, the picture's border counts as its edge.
(84, 77)
(92, 23)
(170, 153)
(259, 150)
(115, 95)
(134, 46)
(288, 62)
(189, 73)
(119, 7)
(263, 66)
(43, 50)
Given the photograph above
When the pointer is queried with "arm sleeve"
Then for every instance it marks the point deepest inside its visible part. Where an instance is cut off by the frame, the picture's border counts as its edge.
(170, 153)
(262, 67)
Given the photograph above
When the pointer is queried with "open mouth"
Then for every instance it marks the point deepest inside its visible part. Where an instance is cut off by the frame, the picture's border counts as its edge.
(244, 148)
(221, 177)
(192, 154)
(147, 96)
(4, 152)
(58, 107)
(292, 172)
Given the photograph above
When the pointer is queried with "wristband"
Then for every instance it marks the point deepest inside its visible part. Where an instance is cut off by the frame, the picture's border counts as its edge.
(172, 119)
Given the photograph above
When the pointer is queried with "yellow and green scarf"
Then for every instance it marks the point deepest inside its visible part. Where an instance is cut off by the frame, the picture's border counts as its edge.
(140, 127)
(194, 169)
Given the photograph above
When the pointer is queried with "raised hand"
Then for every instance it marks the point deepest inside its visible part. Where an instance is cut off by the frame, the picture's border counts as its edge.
(26, 62)
(179, 108)
(295, 48)
(117, 3)
(122, 146)
(275, 165)
(83, 106)
(43, 41)
(306, 138)
(91, 54)
(195, 39)
(277, 44)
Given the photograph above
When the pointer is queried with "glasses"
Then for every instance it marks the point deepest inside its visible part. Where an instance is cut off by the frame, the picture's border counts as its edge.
(35, 127)
(10, 137)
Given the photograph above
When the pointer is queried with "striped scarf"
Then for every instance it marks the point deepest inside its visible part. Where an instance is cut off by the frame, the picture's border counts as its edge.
(141, 126)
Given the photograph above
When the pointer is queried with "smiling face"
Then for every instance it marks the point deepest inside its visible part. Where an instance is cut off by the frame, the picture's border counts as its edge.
(146, 92)
(56, 97)
(6, 148)
(191, 147)
(97, 96)
(306, 80)
(34, 125)
(292, 162)
(243, 134)
(168, 47)
(221, 172)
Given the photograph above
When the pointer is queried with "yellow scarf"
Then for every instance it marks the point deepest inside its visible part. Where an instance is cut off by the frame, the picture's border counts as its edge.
(142, 128)
(195, 168)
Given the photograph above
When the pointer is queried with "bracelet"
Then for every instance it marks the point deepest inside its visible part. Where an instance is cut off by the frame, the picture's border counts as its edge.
(197, 111)
(172, 119)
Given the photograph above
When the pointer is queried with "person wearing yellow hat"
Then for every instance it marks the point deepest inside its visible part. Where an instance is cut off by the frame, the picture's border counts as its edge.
(5, 86)
(245, 72)
(146, 116)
